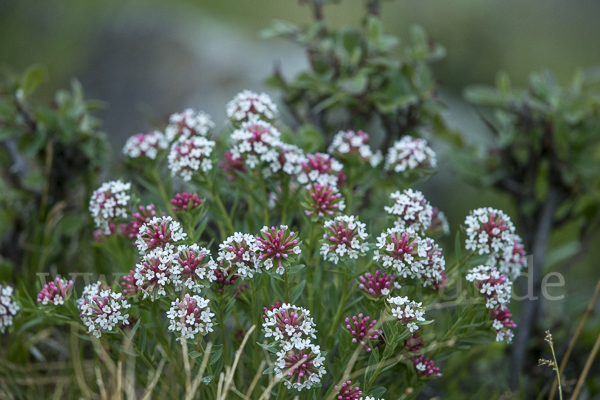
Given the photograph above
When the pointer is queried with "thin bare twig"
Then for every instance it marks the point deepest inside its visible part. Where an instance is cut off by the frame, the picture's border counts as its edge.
(586, 315)
(586, 369)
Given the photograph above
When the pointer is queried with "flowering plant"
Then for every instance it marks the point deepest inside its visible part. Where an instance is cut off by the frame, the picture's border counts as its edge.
(280, 246)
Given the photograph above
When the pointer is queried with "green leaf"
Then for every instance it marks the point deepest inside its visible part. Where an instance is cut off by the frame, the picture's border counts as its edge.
(298, 291)
(32, 78)
(484, 96)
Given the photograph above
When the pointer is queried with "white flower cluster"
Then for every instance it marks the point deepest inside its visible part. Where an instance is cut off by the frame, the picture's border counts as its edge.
(240, 251)
(189, 155)
(299, 361)
(369, 398)
(492, 284)
(159, 266)
(187, 124)
(102, 309)
(411, 256)
(490, 231)
(401, 249)
(300, 369)
(248, 105)
(409, 153)
(344, 237)
(411, 209)
(109, 201)
(155, 271)
(321, 168)
(512, 260)
(290, 326)
(160, 232)
(8, 308)
(145, 145)
(259, 144)
(192, 266)
(431, 270)
(407, 311)
(190, 316)
(350, 142)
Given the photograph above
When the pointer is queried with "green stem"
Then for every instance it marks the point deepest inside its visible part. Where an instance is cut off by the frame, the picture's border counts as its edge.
(282, 392)
(557, 372)
(340, 310)
(217, 199)
(163, 193)
(221, 319)
(263, 187)
(286, 285)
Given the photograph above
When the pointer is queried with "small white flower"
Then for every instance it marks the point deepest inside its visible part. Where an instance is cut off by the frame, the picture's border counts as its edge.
(108, 202)
(409, 153)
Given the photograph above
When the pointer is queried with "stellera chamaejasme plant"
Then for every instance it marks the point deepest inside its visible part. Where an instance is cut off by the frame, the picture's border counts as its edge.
(255, 274)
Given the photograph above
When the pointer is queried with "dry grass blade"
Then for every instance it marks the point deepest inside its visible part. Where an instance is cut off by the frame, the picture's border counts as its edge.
(76, 357)
(155, 379)
(586, 315)
(586, 369)
(198, 378)
(186, 364)
(100, 382)
(255, 380)
(238, 354)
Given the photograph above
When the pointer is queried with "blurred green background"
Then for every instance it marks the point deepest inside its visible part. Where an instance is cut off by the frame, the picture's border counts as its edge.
(148, 59)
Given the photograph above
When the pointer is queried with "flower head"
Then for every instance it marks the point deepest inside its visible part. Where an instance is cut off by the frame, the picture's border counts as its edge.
(348, 392)
(323, 200)
(144, 215)
(257, 143)
(159, 233)
(8, 308)
(239, 252)
(425, 367)
(503, 324)
(145, 145)
(494, 286)
(362, 331)
(431, 269)
(300, 368)
(489, 231)
(512, 260)
(323, 169)
(188, 155)
(274, 247)
(408, 312)
(156, 270)
(411, 210)
(190, 316)
(289, 161)
(129, 284)
(248, 105)
(409, 153)
(403, 250)
(289, 325)
(188, 124)
(343, 239)
(186, 202)
(108, 202)
(101, 309)
(195, 266)
(55, 292)
(350, 144)
(378, 285)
